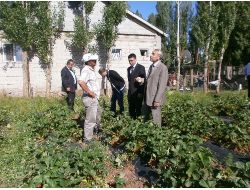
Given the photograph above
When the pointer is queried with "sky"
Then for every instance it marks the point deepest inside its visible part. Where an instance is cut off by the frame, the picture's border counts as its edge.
(145, 7)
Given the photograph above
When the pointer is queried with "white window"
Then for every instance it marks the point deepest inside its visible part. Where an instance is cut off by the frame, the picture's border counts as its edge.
(144, 52)
(116, 54)
(11, 53)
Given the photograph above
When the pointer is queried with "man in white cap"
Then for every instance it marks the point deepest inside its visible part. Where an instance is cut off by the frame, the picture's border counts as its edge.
(91, 92)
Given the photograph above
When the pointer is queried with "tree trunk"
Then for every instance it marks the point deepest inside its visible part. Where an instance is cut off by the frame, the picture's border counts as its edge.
(214, 71)
(219, 70)
(178, 47)
(205, 85)
(192, 79)
(105, 81)
(206, 69)
(48, 79)
(26, 75)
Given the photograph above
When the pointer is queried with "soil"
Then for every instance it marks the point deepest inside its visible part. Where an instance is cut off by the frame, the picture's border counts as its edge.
(130, 177)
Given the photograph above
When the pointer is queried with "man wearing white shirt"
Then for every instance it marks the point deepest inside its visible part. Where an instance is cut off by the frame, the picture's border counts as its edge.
(91, 92)
(69, 83)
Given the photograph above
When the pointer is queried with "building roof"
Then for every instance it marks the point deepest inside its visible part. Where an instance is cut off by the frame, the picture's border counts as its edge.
(146, 23)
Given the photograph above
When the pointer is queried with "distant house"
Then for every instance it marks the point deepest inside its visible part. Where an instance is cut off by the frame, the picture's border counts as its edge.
(135, 35)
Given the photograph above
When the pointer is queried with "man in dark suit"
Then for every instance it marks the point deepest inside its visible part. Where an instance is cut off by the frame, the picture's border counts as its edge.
(69, 83)
(118, 86)
(136, 76)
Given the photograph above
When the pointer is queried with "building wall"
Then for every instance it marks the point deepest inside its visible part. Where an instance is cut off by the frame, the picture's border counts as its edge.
(132, 37)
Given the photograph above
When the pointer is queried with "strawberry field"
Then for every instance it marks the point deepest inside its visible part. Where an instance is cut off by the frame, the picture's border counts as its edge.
(40, 142)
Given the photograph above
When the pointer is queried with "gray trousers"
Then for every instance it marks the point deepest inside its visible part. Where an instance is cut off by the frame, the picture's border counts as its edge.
(156, 113)
(93, 116)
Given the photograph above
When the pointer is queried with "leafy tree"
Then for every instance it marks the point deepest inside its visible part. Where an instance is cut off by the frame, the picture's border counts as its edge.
(82, 36)
(238, 50)
(152, 19)
(106, 31)
(138, 13)
(34, 26)
(203, 33)
(226, 23)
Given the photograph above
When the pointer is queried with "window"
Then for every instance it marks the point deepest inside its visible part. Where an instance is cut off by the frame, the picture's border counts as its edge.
(116, 54)
(144, 52)
(12, 53)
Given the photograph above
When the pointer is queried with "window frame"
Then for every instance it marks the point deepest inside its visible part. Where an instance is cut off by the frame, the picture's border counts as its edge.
(120, 54)
(4, 53)
(147, 52)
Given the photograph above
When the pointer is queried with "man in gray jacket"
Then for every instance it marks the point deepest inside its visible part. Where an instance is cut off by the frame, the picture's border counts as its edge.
(156, 85)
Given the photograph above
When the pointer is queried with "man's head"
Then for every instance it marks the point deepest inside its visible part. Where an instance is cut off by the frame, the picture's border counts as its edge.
(132, 59)
(103, 72)
(156, 55)
(70, 63)
(90, 59)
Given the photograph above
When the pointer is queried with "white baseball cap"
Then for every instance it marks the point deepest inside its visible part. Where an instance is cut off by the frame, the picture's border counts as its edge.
(87, 57)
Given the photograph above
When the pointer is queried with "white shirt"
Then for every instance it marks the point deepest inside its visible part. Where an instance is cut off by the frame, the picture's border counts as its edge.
(133, 68)
(89, 76)
(73, 75)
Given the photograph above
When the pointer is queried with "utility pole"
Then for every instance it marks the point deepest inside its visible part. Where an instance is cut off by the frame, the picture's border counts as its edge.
(178, 46)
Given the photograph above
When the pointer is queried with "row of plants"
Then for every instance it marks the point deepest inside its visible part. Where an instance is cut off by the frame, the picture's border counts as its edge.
(42, 148)
(176, 149)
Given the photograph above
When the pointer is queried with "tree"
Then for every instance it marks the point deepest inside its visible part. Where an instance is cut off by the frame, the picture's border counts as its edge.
(152, 19)
(203, 34)
(33, 26)
(138, 13)
(226, 22)
(107, 32)
(82, 36)
(238, 50)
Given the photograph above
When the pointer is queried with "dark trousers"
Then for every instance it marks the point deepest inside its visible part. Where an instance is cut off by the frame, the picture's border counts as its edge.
(248, 81)
(117, 96)
(70, 99)
(135, 105)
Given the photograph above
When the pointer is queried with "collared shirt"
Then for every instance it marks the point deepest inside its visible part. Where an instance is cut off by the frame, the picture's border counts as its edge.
(73, 75)
(89, 76)
(133, 68)
(247, 69)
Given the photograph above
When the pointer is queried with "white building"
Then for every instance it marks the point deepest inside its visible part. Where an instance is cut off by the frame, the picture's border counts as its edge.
(135, 35)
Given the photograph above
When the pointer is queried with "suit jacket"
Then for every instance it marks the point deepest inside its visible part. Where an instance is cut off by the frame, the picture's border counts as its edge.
(156, 85)
(133, 86)
(67, 80)
(115, 79)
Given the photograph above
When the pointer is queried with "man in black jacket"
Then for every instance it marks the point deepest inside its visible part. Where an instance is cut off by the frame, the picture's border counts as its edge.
(118, 86)
(136, 76)
(69, 83)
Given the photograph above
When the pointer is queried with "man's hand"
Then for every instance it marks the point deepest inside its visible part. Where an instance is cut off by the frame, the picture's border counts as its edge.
(91, 94)
(68, 89)
(156, 104)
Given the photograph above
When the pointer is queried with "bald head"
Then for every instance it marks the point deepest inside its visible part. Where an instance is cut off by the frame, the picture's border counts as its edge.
(156, 55)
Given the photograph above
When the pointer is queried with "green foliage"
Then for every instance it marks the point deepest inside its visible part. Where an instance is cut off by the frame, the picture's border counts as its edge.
(40, 148)
(81, 35)
(32, 25)
(88, 5)
(106, 31)
(176, 150)
(238, 47)
(138, 14)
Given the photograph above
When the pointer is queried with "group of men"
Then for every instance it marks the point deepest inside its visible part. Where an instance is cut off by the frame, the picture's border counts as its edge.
(149, 88)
